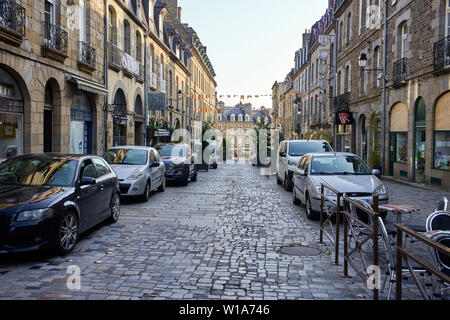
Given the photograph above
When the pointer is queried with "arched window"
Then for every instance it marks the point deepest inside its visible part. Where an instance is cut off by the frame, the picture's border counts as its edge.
(232, 117)
(240, 118)
(138, 109)
(247, 118)
(349, 28)
(442, 133)
(126, 37)
(399, 132)
(347, 79)
(112, 25)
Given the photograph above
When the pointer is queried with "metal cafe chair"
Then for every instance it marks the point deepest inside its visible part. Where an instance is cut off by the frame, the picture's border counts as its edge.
(439, 220)
(442, 205)
(441, 261)
(390, 270)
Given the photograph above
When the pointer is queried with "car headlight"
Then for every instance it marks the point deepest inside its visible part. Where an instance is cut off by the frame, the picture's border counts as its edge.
(381, 190)
(35, 214)
(292, 163)
(136, 176)
(326, 192)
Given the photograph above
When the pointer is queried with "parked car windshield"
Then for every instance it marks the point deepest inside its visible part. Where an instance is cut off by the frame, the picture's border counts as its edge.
(39, 172)
(172, 151)
(298, 149)
(126, 156)
(338, 165)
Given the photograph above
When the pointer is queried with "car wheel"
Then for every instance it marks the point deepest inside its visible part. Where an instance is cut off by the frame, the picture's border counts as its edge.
(115, 209)
(310, 213)
(162, 187)
(67, 233)
(186, 178)
(287, 187)
(215, 166)
(295, 200)
(146, 193)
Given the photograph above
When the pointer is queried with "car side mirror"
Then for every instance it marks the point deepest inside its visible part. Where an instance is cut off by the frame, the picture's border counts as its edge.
(87, 181)
(282, 154)
(154, 165)
(376, 173)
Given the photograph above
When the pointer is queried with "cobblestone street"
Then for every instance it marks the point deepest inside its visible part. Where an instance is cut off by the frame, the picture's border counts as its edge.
(218, 238)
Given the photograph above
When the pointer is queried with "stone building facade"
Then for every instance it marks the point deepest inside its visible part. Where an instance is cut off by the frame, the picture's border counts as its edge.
(418, 96)
(52, 81)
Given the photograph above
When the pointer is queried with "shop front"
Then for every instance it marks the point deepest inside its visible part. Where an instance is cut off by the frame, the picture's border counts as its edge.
(81, 118)
(344, 127)
(11, 116)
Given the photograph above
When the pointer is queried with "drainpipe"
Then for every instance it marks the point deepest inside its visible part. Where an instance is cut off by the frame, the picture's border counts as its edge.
(384, 87)
(105, 58)
(335, 53)
(145, 92)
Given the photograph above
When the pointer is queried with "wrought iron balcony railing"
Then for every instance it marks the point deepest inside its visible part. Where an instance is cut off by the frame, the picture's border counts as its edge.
(342, 101)
(442, 54)
(114, 56)
(87, 54)
(12, 17)
(55, 38)
(400, 72)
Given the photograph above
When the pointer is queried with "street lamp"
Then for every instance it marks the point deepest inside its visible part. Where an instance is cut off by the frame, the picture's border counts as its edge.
(363, 61)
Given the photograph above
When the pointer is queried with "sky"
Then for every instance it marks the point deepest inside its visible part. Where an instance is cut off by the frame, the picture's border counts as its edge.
(251, 43)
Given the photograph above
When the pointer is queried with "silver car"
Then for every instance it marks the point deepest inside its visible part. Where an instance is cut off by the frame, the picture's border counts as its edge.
(140, 170)
(345, 172)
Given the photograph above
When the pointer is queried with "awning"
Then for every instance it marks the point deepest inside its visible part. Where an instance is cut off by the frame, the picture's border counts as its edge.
(87, 85)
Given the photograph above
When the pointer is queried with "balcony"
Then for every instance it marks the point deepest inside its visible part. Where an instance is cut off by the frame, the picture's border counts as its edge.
(12, 22)
(442, 55)
(86, 57)
(114, 57)
(399, 73)
(55, 42)
(342, 102)
(141, 75)
(153, 81)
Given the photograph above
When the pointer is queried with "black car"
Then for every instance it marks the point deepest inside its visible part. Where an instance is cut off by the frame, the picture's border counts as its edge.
(48, 200)
(179, 162)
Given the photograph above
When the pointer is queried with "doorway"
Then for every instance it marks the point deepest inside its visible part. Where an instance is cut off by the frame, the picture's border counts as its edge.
(419, 141)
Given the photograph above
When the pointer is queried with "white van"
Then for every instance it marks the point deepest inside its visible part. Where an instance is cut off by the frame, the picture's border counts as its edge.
(290, 153)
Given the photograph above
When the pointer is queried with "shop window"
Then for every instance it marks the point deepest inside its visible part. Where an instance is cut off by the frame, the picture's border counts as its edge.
(442, 134)
(401, 150)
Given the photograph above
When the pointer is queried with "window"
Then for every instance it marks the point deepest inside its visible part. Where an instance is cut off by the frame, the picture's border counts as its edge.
(102, 168)
(232, 117)
(442, 133)
(349, 28)
(112, 27)
(447, 18)
(127, 37)
(363, 15)
(346, 78)
(49, 12)
(403, 40)
(339, 78)
(88, 170)
(247, 118)
(83, 20)
(376, 65)
(401, 150)
(240, 118)
(138, 47)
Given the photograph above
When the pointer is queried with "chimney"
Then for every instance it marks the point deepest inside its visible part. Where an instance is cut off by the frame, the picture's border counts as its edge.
(179, 14)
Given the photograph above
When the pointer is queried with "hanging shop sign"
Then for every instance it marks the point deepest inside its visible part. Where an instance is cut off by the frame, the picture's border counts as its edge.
(157, 101)
(344, 118)
(162, 133)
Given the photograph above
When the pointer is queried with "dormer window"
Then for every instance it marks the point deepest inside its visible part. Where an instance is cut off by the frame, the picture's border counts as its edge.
(240, 118)
(247, 118)
(232, 117)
